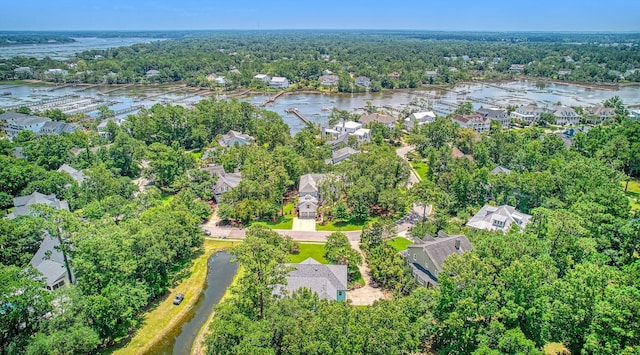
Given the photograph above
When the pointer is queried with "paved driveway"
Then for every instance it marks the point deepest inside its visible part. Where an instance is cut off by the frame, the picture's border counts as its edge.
(304, 224)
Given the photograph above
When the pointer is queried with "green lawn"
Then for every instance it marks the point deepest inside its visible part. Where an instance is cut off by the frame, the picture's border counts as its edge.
(633, 193)
(285, 222)
(315, 251)
(197, 154)
(166, 199)
(334, 226)
(420, 168)
(399, 244)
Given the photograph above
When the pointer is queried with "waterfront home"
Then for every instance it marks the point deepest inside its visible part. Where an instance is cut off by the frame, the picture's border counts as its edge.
(151, 73)
(431, 73)
(212, 77)
(23, 73)
(563, 72)
(262, 77)
(418, 119)
(12, 123)
(599, 114)
(309, 198)
(516, 68)
(565, 116)
(329, 80)
(498, 218)
(349, 128)
(278, 82)
(102, 127)
(76, 174)
(427, 255)
(388, 121)
(475, 121)
(329, 282)
(54, 72)
(634, 114)
(233, 138)
(495, 114)
(528, 113)
(363, 81)
(220, 81)
(224, 182)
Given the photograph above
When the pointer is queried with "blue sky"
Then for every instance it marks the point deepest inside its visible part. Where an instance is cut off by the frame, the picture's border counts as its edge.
(465, 15)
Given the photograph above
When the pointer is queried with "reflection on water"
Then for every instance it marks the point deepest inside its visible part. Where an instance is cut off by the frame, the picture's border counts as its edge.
(64, 51)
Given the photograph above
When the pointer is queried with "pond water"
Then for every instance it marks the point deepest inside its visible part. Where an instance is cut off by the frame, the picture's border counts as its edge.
(64, 51)
(219, 276)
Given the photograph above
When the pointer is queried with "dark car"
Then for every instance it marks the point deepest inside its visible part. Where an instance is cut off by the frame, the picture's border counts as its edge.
(178, 299)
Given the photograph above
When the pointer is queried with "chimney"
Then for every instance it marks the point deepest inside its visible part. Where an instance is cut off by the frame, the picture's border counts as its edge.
(457, 244)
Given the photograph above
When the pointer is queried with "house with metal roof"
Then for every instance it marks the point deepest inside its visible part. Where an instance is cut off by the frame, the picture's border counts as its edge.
(51, 262)
(76, 174)
(341, 154)
(328, 281)
(23, 203)
(427, 255)
(233, 138)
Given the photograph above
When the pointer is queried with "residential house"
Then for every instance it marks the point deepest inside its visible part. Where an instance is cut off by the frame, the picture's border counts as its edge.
(599, 114)
(431, 73)
(262, 77)
(54, 72)
(516, 68)
(329, 80)
(77, 175)
(341, 154)
(328, 281)
(500, 218)
(102, 127)
(418, 119)
(212, 77)
(565, 116)
(349, 128)
(458, 154)
(327, 72)
(475, 121)
(388, 121)
(22, 205)
(278, 82)
(23, 73)
(495, 114)
(634, 114)
(363, 81)
(50, 261)
(151, 73)
(500, 170)
(528, 113)
(220, 81)
(233, 138)
(309, 198)
(426, 256)
(13, 123)
(224, 182)
(563, 72)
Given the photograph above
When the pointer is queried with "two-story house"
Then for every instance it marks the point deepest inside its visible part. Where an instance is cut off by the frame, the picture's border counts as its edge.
(363, 81)
(418, 119)
(426, 256)
(278, 82)
(475, 121)
(329, 80)
(349, 128)
(495, 114)
(309, 198)
(235, 138)
(500, 218)
(388, 121)
(224, 182)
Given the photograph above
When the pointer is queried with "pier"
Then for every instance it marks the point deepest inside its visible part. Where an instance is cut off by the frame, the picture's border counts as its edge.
(295, 111)
(128, 109)
(271, 99)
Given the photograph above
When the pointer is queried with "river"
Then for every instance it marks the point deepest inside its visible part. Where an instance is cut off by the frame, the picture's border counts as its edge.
(219, 276)
(65, 51)
(317, 106)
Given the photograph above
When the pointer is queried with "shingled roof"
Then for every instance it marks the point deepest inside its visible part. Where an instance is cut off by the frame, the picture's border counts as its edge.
(325, 280)
(23, 203)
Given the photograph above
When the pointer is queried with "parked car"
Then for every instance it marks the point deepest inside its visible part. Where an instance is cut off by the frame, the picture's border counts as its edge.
(178, 299)
(207, 232)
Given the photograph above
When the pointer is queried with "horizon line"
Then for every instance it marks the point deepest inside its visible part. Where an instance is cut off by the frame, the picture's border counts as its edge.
(329, 29)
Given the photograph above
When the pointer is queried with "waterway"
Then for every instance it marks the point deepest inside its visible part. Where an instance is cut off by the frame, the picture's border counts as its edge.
(65, 51)
(317, 106)
(219, 276)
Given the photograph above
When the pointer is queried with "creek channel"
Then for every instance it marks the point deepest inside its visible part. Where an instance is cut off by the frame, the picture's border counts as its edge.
(220, 274)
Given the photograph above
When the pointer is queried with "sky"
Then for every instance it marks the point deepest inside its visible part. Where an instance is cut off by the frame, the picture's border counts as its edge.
(437, 15)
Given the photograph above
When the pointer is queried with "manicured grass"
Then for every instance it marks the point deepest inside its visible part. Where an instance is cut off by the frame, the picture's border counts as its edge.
(285, 222)
(420, 167)
(358, 279)
(633, 193)
(197, 154)
(165, 316)
(288, 208)
(166, 199)
(315, 251)
(334, 226)
(399, 244)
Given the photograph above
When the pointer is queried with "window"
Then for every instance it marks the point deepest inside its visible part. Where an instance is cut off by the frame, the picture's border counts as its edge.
(415, 257)
(339, 293)
(426, 265)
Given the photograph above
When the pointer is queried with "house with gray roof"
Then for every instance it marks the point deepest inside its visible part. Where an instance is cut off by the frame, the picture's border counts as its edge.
(499, 218)
(328, 281)
(495, 114)
(50, 261)
(386, 120)
(23, 203)
(418, 119)
(77, 175)
(427, 255)
(363, 81)
(233, 138)
(14, 122)
(341, 154)
(309, 198)
(500, 170)
(224, 182)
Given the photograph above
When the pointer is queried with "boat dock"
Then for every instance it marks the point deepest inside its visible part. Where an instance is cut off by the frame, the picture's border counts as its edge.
(295, 111)
(271, 99)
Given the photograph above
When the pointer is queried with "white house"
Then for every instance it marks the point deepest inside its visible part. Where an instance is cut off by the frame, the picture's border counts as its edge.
(500, 218)
(151, 73)
(262, 77)
(528, 113)
(349, 128)
(278, 82)
(418, 119)
(363, 81)
(476, 122)
(329, 80)
(565, 116)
